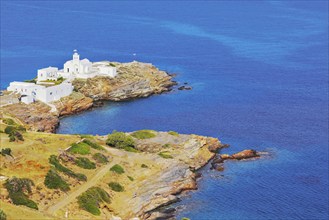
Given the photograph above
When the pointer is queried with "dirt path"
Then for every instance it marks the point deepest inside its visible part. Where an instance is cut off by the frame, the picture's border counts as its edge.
(74, 194)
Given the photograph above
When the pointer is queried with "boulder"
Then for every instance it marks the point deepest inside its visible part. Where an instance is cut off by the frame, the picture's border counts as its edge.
(225, 156)
(218, 166)
(214, 147)
(225, 145)
(245, 154)
(184, 88)
(217, 159)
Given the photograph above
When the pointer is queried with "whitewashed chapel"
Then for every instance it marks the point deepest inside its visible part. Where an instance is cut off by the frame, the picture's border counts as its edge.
(53, 84)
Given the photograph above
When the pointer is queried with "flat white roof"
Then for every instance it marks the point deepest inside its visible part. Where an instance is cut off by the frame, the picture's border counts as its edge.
(49, 68)
(27, 84)
(85, 61)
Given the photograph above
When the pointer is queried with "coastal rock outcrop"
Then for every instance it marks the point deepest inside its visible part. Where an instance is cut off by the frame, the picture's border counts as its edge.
(134, 80)
(39, 116)
(217, 162)
(185, 88)
(73, 104)
(35, 116)
(179, 174)
(245, 154)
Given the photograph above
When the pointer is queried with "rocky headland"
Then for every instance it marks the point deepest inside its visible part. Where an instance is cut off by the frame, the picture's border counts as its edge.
(152, 171)
(134, 80)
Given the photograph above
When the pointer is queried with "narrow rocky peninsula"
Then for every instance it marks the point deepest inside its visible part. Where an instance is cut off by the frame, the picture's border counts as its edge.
(134, 80)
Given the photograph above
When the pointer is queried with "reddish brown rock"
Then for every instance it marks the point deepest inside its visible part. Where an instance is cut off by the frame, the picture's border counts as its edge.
(35, 116)
(245, 154)
(214, 147)
(225, 156)
(72, 104)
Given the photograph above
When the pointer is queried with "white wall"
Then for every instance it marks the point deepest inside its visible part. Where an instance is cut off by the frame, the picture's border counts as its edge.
(24, 88)
(49, 73)
(83, 66)
(42, 93)
(108, 70)
(27, 99)
(54, 93)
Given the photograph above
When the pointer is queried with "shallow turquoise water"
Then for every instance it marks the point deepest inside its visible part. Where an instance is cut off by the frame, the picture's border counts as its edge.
(259, 72)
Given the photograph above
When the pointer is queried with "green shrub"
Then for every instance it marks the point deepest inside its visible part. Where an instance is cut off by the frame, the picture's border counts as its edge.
(120, 140)
(60, 79)
(12, 138)
(31, 80)
(117, 169)
(17, 189)
(130, 178)
(13, 132)
(16, 136)
(55, 181)
(165, 154)
(19, 185)
(19, 198)
(143, 134)
(3, 215)
(8, 121)
(9, 129)
(20, 128)
(166, 146)
(131, 149)
(85, 163)
(80, 148)
(54, 161)
(6, 151)
(93, 144)
(100, 158)
(144, 166)
(174, 133)
(91, 199)
(117, 187)
(184, 218)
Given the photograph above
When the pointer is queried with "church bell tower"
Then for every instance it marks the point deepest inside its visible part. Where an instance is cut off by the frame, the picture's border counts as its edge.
(76, 61)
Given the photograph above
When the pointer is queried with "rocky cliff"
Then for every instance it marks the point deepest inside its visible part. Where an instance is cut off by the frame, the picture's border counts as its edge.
(73, 104)
(35, 116)
(189, 153)
(38, 116)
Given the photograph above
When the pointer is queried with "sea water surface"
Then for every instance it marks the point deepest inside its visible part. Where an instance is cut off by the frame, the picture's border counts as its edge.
(259, 72)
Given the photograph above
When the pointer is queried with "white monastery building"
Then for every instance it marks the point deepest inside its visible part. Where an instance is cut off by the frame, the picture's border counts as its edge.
(53, 84)
(49, 73)
(76, 65)
(31, 92)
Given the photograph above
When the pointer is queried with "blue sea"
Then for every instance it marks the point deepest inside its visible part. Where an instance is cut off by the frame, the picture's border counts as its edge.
(259, 72)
